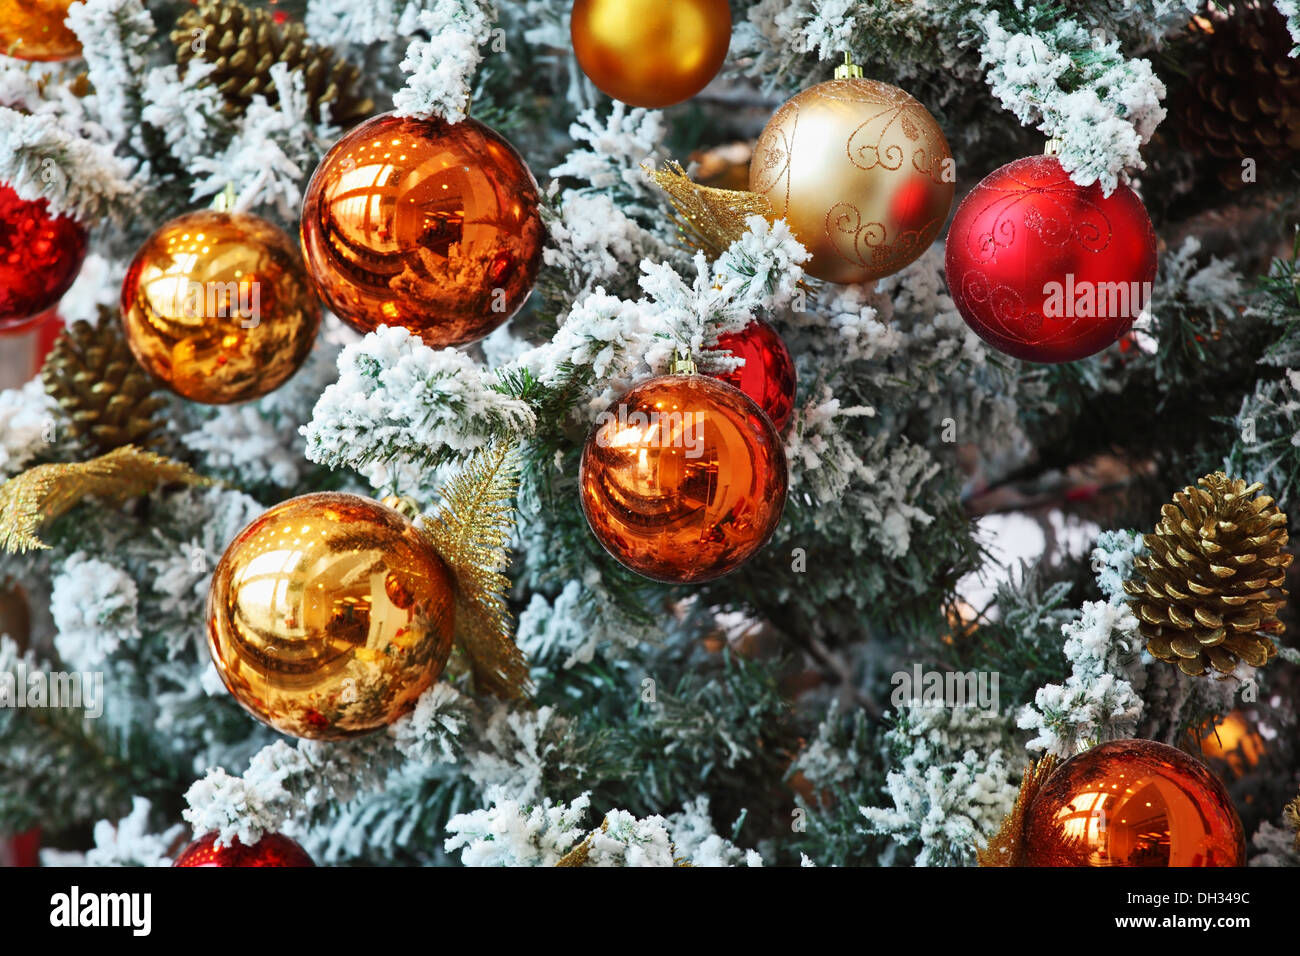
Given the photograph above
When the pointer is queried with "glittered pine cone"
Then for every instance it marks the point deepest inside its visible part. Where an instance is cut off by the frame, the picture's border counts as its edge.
(1242, 98)
(108, 397)
(1210, 585)
(243, 45)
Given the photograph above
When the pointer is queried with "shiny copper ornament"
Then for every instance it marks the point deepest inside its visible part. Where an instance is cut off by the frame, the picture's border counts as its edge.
(861, 172)
(683, 479)
(218, 306)
(1133, 803)
(34, 30)
(329, 615)
(651, 53)
(423, 224)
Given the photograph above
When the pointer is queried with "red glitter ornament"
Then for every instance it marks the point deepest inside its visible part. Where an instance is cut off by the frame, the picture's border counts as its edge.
(1047, 270)
(768, 375)
(40, 256)
(273, 849)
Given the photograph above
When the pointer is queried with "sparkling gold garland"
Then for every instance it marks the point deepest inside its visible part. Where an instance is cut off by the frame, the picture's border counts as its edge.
(710, 219)
(470, 531)
(1006, 847)
(40, 495)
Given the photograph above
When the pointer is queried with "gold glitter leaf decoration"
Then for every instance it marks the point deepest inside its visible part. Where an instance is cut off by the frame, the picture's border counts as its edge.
(470, 531)
(710, 219)
(1007, 847)
(46, 492)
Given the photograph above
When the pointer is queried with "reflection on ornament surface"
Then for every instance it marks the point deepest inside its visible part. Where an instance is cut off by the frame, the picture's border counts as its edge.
(1133, 803)
(423, 224)
(34, 30)
(218, 306)
(683, 479)
(329, 615)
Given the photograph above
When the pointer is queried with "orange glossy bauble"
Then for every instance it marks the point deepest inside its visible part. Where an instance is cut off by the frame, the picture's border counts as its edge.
(861, 172)
(425, 224)
(651, 53)
(329, 615)
(683, 479)
(34, 30)
(218, 306)
(1133, 803)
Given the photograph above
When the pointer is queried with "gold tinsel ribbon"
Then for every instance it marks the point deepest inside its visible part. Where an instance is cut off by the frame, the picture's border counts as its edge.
(710, 219)
(1007, 847)
(470, 532)
(40, 495)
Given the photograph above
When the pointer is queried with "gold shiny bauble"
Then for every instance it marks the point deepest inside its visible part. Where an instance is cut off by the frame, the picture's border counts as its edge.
(423, 224)
(219, 307)
(683, 479)
(329, 615)
(861, 172)
(1133, 803)
(651, 53)
(34, 30)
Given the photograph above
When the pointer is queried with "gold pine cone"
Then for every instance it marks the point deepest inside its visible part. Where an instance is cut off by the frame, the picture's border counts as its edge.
(108, 397)
(1210, 585)
(243, 44)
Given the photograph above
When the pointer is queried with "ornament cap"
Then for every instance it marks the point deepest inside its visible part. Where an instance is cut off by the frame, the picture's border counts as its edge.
(848, 70)
(683, 364)
(1053, 146)
(404, 505)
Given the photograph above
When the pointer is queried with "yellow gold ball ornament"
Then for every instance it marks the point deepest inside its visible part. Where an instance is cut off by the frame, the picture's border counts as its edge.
(651, 53)
(329, 615)
(218, 306)
(861, 172)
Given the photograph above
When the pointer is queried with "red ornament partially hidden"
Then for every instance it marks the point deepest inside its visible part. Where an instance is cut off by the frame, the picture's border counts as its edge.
(1133, 803)
(768, 375)
(40, 256)
(1047, 270)
(21, 849)
(273, 849)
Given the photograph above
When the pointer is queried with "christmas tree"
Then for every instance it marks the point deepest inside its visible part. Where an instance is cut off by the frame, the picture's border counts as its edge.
(539, 433)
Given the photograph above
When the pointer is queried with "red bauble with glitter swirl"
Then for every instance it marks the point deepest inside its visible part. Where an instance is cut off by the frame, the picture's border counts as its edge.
(40, 256)
(274, 849)
(1045, 269)
(768, 375)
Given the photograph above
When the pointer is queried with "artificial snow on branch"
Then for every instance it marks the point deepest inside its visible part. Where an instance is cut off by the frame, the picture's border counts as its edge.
(273, 152)
(441, 68)
(1078, 87)
(79, 177)
(398, 402)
